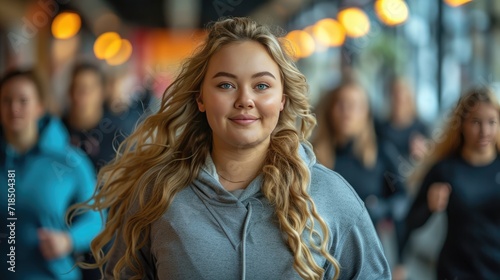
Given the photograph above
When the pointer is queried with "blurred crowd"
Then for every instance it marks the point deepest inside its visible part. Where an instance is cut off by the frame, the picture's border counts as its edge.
(398, 169)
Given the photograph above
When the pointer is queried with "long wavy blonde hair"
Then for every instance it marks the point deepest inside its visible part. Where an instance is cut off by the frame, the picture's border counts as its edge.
(450, 139)
(325, 138)
(165, 154)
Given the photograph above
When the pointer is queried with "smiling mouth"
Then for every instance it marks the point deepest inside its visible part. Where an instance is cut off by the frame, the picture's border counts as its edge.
(243, 120)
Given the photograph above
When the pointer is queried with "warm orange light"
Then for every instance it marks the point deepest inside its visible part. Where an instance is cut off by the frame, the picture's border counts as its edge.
(122, 55)
(391, 12)
(456, 3)
(301, 42)
(355, 22)
(107, 45)
(329, 32)
(66, 25)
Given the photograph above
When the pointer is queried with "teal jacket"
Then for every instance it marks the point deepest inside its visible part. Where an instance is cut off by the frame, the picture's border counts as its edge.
(48, 179)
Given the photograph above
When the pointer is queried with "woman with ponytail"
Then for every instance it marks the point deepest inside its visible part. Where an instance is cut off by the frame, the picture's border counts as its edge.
(221, 183)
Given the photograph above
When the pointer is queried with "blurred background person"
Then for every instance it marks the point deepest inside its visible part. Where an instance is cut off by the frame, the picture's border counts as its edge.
(403, 131)
(462, 178)
(345, 142)
(50, 175)
(85, 119)
(404, 137)
(100, 115)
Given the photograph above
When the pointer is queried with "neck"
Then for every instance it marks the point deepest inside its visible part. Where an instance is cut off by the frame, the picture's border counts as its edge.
(23, 141)
(479, 157)
(343, 140)
(85, 120)
(401, 120)
(237, 167)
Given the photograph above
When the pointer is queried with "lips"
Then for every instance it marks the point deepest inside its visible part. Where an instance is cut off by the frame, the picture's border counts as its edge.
(243, 119)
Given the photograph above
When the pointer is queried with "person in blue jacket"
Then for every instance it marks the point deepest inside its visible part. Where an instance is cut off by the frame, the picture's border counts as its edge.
(41, 176)
(222, 183)
(462, 177)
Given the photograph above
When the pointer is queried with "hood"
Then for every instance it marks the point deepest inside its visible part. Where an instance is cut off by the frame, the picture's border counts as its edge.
(52, 138)
(236, 215)
(208, 179)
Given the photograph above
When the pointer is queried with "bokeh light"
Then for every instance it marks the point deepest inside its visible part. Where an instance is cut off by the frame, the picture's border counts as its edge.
(391, 12)
(107, 45)
(456, 3)
(301, 42)
(355, 22)
(66, 25)
(122, 55)
(329, 32)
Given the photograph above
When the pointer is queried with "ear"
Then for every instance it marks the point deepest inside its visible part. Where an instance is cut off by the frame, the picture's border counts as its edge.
(199, 101)
(283, 100)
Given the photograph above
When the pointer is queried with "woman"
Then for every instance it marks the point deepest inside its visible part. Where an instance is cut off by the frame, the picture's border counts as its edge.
(464, 181)
(403, 131)
(46, 177)
(346, 143)
(221, 184)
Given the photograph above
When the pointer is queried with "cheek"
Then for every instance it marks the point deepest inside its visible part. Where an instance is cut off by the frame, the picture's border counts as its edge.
(271, 107)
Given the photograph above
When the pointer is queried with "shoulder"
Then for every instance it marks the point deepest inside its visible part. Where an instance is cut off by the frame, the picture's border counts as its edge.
(333, 195)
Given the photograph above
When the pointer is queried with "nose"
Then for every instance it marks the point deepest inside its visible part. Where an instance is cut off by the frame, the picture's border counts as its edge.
(244, 99)
(484, 129)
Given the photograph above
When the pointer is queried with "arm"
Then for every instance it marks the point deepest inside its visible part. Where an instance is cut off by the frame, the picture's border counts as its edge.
(86, 226)
(420, 212)
(360, 253)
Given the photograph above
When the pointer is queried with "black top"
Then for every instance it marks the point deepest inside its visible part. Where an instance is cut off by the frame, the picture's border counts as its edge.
(472, 246)
(376, 185)
(400, 137)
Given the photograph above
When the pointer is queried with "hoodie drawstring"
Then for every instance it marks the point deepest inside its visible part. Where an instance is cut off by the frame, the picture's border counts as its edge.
(244, 242)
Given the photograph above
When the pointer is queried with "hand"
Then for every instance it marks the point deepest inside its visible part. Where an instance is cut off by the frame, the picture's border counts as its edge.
(437, 196)
(399, 272)
(54, 244)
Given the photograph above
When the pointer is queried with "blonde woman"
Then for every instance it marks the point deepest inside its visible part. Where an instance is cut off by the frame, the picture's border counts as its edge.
(221, 183)
(464, 181)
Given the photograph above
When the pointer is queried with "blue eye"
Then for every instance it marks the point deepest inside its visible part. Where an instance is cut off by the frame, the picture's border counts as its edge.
(225, 86)
(262, 86)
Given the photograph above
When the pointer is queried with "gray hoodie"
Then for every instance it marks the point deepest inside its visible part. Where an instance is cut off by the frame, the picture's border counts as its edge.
(209, 233)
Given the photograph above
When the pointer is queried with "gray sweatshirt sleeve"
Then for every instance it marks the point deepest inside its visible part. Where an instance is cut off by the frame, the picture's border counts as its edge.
(146, 260)
(360, 253)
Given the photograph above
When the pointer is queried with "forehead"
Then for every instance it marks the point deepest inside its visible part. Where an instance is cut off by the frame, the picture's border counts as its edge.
(484, 110)
(19, 85)
(352, 93)
(242, 59)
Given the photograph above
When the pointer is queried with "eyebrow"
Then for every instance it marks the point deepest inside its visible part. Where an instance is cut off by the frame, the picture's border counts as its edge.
(256, 75)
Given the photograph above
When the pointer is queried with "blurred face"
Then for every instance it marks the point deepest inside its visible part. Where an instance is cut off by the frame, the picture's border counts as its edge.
(87, 93)
(20, 105)
(401, 97)
(480, 127)
(350, 112)
(242, 95)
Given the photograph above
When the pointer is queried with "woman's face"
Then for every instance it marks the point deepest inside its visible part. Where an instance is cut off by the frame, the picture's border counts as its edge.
(20, 105)
(350, 112)
(242, 95)
(480, 127)
(401, 98)
(87, 92)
